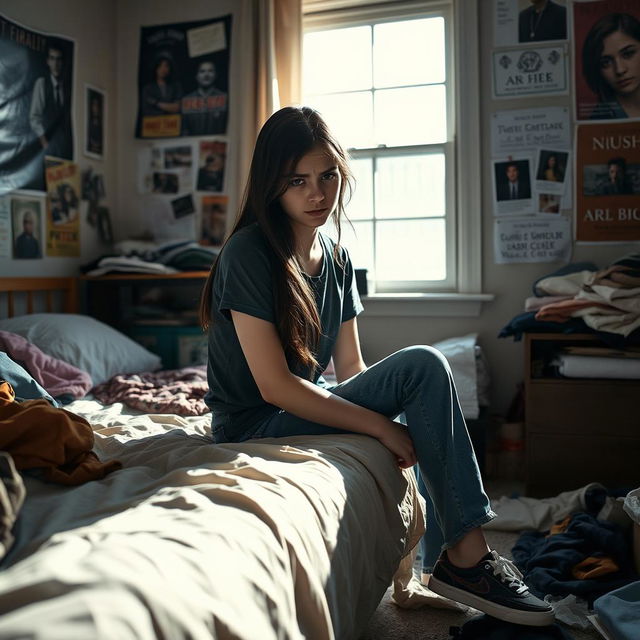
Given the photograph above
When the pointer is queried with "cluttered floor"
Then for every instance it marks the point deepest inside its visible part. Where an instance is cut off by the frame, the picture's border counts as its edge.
(577, 547)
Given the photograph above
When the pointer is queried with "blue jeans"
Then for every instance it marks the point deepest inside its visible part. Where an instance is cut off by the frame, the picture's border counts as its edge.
(416, 381)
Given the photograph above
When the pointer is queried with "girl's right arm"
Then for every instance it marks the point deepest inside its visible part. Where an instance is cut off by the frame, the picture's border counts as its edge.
(278, 386)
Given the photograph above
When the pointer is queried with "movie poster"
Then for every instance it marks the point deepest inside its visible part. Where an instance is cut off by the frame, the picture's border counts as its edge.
(36, 114)
(183, 79)
(63, 208)
(607, 59)
(213, 155)
(608, 183)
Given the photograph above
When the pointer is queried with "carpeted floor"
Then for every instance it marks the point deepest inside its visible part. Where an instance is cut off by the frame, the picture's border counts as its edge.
(389, 622)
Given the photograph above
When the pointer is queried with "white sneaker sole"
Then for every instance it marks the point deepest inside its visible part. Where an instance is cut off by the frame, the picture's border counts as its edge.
(517, 616)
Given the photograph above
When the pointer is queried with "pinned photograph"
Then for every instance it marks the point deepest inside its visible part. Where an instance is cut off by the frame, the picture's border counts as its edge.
(512, 186)
(552, 171)
(26, 215)
(212, 164)
(95, 118)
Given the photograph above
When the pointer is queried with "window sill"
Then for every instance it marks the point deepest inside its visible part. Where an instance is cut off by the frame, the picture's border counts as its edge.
(425, 304)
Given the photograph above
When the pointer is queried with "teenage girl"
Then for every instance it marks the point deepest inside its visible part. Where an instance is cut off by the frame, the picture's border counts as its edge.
(281, 301)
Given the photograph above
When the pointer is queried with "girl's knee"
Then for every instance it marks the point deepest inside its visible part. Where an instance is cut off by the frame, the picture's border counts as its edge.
(424, 357)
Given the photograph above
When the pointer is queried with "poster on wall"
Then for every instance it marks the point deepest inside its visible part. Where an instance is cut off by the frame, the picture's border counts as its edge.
(211, 167)
(608, 183)
(512, 186)
(514, 130)
(63, 207)
(183, 79)
(214, 220)
(5, 227)
(607, 59)
(36, 118)
(526, 72)
(26, 221)
(533, 239)
(518, 21)
(95, 105)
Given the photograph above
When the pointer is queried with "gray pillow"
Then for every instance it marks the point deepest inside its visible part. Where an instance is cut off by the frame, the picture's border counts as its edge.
(84, 342)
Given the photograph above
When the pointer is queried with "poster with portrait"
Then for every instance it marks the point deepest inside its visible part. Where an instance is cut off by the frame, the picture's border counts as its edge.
(214, 220)
(26, 221)
(183, 79)
(519, 21)
(607, 59)
(512, 186)
(63, 207)
(36, 118)
(95, 117)
(525, 72)
(608, 183)
(213, 154)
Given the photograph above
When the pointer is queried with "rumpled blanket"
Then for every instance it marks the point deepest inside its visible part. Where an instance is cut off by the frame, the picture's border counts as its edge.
(56, 376)
(12, 495)
(39, 436)
(178, 391)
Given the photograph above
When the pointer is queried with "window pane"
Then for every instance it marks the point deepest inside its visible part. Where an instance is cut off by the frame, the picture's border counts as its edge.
(409, 52)
(337, 60)
(411, 250)
(411, 116)
(361, 204)
(349, 116)
(410, 186)
(358, 241)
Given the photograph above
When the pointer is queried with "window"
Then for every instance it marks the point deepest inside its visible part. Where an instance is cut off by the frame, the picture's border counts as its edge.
(383, 78)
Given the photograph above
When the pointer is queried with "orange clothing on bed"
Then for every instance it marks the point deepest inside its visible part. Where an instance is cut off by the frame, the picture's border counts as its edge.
(38, 435)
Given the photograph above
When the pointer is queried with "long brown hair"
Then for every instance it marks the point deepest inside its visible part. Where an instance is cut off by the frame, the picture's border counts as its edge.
(284, 139)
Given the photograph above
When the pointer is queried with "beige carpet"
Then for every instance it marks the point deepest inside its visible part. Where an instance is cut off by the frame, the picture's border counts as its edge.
(389, 622)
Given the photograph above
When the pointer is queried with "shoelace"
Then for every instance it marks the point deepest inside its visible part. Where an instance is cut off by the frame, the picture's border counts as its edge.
(508, 572)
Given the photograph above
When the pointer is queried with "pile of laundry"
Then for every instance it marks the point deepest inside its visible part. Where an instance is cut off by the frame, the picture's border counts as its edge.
(139, 256)
(581, 298)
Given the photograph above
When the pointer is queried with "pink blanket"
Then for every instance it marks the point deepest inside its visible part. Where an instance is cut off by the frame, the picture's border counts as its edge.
(56, 376)
(178, 391)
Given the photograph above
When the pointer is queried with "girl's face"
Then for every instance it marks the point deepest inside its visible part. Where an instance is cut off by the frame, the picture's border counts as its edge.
(312, 190)
(551, 162)
(620, 63)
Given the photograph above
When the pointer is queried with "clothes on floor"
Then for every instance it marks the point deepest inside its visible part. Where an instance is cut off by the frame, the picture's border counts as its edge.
(548, 562)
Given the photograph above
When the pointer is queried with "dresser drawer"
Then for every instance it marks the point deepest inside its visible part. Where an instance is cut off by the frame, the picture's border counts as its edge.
(558, 463)
(584, 407)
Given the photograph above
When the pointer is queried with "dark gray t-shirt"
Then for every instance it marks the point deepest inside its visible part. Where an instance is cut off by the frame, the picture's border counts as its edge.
(244, 282)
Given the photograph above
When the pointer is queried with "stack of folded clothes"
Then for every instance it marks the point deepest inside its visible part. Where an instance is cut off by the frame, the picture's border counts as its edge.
(581, 298)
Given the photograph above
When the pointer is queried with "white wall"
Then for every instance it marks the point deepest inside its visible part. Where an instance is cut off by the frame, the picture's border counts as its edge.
(91, 23)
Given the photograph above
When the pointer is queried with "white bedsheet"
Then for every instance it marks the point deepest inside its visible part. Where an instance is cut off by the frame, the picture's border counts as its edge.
(193, 540)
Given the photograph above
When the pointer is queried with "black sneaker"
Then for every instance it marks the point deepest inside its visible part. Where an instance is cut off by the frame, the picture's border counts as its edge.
(493, 586)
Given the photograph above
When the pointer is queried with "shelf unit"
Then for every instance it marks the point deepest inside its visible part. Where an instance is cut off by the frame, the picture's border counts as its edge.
(577, 430)
(167, 326)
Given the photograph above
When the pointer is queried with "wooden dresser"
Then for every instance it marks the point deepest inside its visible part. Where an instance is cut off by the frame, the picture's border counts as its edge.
(577, 430)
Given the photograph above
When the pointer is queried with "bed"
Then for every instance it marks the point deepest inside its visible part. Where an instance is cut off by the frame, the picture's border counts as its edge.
(187, 539)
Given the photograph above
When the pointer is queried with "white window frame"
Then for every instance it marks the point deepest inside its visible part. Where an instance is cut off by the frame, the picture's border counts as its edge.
(465, 297)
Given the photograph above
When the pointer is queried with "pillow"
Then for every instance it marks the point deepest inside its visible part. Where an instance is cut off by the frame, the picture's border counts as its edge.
(24, 386)
(58, 377)
(84, 342)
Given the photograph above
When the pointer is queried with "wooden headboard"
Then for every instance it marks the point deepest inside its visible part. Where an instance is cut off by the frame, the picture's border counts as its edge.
(27, 295)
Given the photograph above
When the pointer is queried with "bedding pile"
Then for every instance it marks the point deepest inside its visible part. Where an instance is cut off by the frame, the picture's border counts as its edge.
(195, 540)
(179, 391)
